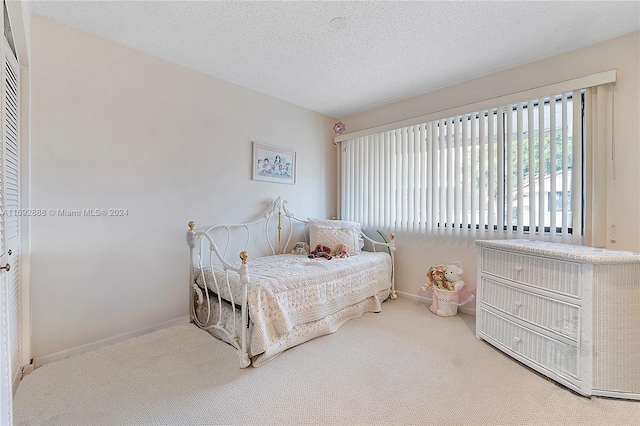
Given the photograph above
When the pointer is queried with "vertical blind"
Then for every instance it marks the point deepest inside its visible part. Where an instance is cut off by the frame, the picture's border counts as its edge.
(514, 170)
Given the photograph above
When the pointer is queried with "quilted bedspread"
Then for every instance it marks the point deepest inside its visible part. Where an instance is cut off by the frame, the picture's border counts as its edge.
(287, 291)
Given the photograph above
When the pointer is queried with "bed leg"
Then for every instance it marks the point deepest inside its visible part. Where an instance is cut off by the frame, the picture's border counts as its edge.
(392, 247)
(244, 359)
(244, 276)
(192, 244)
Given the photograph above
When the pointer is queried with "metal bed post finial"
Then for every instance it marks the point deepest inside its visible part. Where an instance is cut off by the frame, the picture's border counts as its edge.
(244, 256)
(192, 225)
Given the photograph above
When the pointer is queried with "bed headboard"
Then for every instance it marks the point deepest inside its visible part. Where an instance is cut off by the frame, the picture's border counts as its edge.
(270, 234)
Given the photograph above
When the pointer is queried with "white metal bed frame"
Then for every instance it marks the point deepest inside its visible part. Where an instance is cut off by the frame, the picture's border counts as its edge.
(197, 238)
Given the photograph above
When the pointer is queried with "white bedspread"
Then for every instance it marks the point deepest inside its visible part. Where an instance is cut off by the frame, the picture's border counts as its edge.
(231, 320)
(289, 290)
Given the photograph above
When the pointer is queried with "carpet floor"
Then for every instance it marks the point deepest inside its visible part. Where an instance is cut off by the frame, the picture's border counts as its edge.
(404, 365)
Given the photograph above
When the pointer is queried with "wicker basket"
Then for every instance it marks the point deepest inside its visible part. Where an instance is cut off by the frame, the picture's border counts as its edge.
(445, 302)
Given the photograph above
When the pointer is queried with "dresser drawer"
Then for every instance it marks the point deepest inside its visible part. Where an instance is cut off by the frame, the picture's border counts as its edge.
(549, 274)
(554, 315)
(540, 350)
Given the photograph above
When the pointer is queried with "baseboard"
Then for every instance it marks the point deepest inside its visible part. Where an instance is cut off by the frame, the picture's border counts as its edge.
(28, 369)
(427, 301)
(40, 361)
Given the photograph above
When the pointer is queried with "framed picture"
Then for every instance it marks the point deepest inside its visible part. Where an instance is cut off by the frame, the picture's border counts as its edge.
(274, 164)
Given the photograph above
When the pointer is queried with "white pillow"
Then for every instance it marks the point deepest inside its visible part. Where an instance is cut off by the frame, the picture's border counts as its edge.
(332, 233)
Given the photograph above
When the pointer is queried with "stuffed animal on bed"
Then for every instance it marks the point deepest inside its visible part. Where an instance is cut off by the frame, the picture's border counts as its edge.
(321, 251)
(341, 251)
(300, 248)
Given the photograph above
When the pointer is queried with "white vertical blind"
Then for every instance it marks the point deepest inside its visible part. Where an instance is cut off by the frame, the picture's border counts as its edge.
(531, 171)
(577, 179)
(430, 202)
(542, 144)
(552, 176)
(474, 172)
(457, 173)
(423, 178)
(481, 170)
(450, 152)
(466, 175)
(510, 171)
(520, 170)
(491, 164)
(387, 181)
(441, 188)
(500, 172)
(565, 167)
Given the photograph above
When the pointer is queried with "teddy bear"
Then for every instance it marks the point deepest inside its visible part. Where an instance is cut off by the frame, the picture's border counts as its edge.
(453, 274)
(321, 251)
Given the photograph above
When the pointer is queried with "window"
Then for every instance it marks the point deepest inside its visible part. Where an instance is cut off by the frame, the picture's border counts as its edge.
(557, 202)
(492, 170)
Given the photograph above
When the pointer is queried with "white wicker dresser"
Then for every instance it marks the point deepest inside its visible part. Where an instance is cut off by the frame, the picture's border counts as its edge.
(569, 312)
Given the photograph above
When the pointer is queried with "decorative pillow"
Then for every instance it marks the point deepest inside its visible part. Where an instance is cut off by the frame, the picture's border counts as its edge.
(332, 233)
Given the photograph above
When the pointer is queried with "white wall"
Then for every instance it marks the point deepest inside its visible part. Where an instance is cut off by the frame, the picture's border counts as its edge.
(416, 253)
(115, 128)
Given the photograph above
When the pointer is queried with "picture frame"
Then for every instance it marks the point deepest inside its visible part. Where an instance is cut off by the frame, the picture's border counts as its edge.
(273, 164)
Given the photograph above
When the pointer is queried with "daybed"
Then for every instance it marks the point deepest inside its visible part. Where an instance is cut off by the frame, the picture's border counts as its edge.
(267, 302)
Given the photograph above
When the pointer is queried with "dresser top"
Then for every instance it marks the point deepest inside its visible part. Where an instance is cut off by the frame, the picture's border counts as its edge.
(576, 253)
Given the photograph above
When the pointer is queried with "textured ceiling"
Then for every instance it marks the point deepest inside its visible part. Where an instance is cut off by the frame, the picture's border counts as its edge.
(389, 50)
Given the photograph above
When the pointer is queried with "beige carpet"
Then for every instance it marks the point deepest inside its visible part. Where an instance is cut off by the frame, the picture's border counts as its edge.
(402, 366)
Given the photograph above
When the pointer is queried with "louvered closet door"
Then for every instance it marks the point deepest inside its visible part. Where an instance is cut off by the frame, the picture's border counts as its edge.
(9, 193)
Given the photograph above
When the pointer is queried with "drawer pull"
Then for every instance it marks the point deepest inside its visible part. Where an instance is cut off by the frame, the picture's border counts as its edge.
(517, 303)
(518, 268)
(517, 339)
